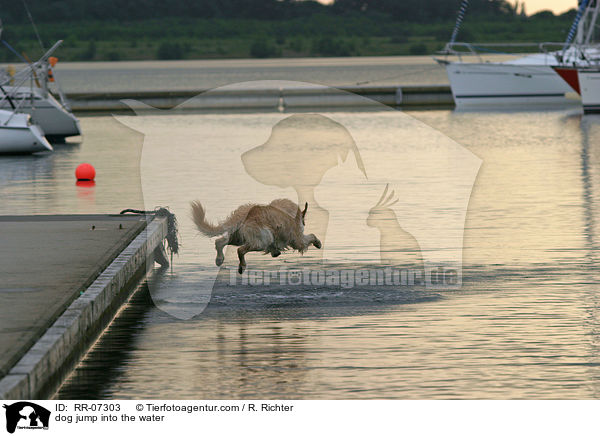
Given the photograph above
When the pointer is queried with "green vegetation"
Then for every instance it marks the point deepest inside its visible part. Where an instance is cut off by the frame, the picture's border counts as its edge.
(203, 29)
(264, 47)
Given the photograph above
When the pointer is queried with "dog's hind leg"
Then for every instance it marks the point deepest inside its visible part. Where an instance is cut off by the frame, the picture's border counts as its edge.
(219, 245)
(241, 253)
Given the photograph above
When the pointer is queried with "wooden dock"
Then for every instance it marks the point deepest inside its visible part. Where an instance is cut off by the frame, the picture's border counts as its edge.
(64, 278)
(292, 98)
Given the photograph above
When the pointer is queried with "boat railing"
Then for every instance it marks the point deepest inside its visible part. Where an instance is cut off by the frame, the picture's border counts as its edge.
(516, 49)
(17, 97)
(580, 54)
(34, 72)
(39, 73)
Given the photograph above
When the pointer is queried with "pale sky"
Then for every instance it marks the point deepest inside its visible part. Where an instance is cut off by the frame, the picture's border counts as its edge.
(533, 6)
(556, 6)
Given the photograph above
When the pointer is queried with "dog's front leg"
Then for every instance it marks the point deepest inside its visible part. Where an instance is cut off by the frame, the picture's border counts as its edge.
(311, 239)
(241, 252)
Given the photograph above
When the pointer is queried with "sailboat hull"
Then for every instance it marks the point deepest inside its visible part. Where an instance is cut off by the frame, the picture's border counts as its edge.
(589, 82)
(18, 135)
(490, 84)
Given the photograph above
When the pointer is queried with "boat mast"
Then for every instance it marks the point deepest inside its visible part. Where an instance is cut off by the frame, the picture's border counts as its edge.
(459, 20)
(593, 9)
(6, 95)
(576, 27)
(37, 34)
(580, 27)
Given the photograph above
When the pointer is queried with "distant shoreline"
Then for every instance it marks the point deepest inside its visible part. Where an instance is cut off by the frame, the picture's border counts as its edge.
(281, 61)
(312, 36)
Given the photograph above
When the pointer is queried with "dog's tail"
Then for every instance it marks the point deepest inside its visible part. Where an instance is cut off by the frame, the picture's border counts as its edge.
(199, 217)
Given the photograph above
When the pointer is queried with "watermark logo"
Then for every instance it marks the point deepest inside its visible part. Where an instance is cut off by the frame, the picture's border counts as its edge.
(347, 278)
(25, 415)
(382, 188)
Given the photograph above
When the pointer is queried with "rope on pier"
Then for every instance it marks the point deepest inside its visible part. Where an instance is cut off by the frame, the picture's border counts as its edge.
(398, 76)
(172, 228)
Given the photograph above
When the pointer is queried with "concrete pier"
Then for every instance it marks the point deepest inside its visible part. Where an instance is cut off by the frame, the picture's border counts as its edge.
(401, 97)
(64, 278)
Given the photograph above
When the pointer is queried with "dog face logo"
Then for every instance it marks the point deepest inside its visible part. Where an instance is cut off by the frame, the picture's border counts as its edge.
(26, 415)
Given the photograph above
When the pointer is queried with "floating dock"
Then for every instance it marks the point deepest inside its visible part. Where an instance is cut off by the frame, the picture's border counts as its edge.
(64, 279)
(305, 97)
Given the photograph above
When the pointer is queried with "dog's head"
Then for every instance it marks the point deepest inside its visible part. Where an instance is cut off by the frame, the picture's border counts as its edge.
(301, 214)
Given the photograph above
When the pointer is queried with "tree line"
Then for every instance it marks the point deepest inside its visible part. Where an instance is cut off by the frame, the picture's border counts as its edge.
(423, 11)
(95, 30)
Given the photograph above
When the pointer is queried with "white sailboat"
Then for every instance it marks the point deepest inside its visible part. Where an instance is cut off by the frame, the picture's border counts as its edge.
(29, 88)
(18, 131)
(56, 121)
(19, 135)
(525, 80)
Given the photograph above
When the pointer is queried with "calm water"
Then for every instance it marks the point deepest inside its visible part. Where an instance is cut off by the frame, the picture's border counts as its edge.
(524, 324)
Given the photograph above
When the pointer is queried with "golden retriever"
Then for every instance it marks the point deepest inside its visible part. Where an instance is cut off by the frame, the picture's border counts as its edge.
(268, 228)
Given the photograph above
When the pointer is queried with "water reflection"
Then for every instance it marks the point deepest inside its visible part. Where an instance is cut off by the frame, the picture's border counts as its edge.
(524, 325)
(590, 177)
(264, 343)
(111, 352)
(45, 183)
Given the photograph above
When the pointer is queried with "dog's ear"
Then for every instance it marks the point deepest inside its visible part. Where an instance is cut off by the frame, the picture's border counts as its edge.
(305, 208)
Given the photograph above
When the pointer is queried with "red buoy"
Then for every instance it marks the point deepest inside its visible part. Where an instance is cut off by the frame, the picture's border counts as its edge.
(85, 171)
